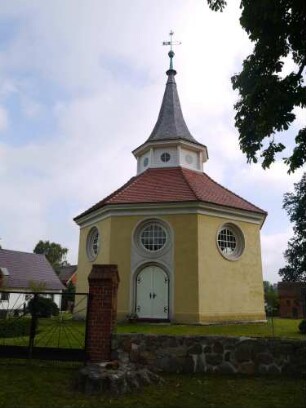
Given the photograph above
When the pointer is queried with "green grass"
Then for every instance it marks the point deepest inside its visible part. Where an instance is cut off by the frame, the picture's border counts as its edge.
(45, 386)
(281, 328)
(69, 333)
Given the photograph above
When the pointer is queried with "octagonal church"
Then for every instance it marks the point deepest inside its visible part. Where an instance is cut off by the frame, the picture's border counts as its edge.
(187, 248)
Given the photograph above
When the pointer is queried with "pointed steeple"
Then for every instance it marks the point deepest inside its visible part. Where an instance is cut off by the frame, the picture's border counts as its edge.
(171, 144)
(171, 124)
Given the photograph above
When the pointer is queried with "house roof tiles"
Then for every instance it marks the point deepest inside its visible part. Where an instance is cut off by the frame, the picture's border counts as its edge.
(26, 269)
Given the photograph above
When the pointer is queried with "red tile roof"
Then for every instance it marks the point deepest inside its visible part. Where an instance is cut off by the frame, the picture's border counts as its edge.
(175, 184)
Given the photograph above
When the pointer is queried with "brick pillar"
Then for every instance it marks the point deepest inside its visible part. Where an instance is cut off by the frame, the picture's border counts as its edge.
(102, 309)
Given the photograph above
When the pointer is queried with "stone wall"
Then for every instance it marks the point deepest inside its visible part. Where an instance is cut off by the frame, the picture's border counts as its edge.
(209, 354)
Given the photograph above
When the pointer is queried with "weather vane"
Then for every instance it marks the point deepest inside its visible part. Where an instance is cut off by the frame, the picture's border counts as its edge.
(171, 43)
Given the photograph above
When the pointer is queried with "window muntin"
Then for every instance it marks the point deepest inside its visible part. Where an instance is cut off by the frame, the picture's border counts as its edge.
(153, 237)
(230, 241)
(93, 243)
(227, 241)
(165, 157)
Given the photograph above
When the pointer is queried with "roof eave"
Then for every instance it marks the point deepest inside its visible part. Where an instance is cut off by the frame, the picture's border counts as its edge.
(105, 210)
(170, 142)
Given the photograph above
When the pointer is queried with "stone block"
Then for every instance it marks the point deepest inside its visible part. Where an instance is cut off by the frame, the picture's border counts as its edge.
(218, 347)
(247, 350)
(195, 349)
(264, 358)
(227, 368)
(214, 359)
(247, 368)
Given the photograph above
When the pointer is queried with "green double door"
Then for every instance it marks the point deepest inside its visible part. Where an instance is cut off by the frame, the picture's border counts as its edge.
(152, 293)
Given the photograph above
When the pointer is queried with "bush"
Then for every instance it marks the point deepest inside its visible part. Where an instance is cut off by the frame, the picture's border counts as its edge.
(302, 327)
(15, 327)
(43, 307)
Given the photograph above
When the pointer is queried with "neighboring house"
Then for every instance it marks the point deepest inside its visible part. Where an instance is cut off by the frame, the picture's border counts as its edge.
(67, 274)
(26, 272)
(187, 249)
(292, 299)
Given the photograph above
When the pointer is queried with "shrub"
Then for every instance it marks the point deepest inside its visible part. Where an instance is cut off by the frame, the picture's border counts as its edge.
(43, 307)
(302, 327)
(15, 327)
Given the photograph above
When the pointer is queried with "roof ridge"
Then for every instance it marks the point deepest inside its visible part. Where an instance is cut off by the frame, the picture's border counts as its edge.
(109, 197)
(231, 192)
(20, 252)
(187, 182)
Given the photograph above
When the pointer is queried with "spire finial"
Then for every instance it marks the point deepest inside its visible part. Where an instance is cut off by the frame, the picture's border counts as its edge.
(171, 52)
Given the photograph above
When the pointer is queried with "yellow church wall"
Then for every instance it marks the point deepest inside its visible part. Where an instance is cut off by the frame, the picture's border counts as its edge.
(205, 287)
(186, 299)
(85, 265)
(120, 254)
(184, 296)
(230, 290)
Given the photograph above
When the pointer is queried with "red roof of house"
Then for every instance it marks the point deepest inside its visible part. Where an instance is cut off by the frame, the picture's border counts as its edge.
(175, 184)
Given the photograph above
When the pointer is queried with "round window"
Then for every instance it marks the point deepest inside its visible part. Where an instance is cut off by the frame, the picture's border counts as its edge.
(165, 157)
(93, 243)
(153, 237)
(230, 241)
(145, 161)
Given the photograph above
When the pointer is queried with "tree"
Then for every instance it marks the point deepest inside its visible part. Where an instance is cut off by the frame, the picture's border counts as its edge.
(295, 254)
(268, 94)
(271, 297)
(55, 253)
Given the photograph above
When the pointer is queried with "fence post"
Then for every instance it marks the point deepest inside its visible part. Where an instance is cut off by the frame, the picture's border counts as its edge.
(102, 309)
(33, 326)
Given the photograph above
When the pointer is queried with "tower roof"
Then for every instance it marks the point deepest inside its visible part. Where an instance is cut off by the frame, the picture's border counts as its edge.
(174, 185)
(171, 124)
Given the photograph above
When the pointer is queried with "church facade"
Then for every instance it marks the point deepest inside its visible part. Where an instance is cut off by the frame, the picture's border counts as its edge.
(187, 249)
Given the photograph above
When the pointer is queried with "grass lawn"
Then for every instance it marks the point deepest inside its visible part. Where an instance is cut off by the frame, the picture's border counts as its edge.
(70, 333)
(44, 386)
(280, 328)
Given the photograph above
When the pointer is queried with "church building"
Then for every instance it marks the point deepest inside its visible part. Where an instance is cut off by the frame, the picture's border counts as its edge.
(187, 249)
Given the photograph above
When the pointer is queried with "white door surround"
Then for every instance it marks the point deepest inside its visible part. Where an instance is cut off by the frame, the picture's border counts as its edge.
(152, 293)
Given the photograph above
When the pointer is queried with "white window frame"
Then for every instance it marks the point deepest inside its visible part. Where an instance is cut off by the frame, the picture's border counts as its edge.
(93, 244)
(231, 231)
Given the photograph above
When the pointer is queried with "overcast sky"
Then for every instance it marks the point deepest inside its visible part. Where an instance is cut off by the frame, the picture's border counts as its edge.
(81, 83)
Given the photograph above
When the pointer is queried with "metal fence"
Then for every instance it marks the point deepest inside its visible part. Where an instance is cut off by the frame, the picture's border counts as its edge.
(43, 325)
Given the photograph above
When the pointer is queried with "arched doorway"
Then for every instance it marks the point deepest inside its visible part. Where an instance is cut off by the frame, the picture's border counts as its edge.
(152, 293)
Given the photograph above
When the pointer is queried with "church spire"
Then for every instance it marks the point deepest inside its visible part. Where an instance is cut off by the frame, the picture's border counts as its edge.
(170, 144)
(171, 124)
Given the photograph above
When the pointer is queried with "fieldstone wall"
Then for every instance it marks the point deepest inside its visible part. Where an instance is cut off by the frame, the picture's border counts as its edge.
(209, 354)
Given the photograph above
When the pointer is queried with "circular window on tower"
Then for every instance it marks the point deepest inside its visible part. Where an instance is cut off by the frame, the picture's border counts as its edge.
(93, 243)
(230, 241)
(152, 237)
(165, 157)
(145, 161)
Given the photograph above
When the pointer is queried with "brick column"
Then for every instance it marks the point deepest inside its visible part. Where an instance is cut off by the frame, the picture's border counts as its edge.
(102, 309)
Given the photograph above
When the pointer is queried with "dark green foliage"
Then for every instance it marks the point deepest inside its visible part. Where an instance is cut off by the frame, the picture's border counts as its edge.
(14, 327)
(68, 297)
(295, 254)
(271, 298)
(302, 327)
(43, 307)
(54, 252)
(268, 92)
(217, 5)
